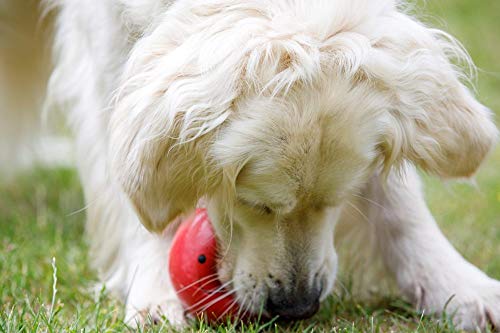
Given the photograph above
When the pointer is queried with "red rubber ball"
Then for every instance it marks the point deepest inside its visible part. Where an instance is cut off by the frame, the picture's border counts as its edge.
(192, 267)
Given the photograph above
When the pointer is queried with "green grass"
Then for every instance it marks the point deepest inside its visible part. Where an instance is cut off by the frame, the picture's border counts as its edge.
(38, 222)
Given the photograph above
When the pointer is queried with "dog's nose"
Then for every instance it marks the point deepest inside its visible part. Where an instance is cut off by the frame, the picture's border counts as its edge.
(293, 306)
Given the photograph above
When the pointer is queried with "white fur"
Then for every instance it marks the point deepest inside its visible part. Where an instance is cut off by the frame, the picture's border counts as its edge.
(280, 114)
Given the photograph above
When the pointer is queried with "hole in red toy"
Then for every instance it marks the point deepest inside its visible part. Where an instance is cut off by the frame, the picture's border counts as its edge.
(202, 259)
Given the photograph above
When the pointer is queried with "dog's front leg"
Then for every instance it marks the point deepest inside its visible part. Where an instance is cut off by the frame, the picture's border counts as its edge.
(151, 295)
(428, 270)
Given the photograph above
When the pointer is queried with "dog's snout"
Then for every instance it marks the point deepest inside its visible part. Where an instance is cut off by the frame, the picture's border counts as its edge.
(300, 304)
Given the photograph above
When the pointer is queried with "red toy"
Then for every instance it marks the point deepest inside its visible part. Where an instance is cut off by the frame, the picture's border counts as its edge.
(192, 269)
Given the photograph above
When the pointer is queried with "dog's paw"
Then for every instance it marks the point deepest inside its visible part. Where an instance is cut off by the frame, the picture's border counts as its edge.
(152, 299)
(471, 305)
(169, 312)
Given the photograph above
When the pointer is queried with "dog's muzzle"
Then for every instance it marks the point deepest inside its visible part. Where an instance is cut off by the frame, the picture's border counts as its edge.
(297, 303)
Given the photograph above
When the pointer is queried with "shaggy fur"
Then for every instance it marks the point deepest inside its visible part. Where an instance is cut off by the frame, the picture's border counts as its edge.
(280, 115)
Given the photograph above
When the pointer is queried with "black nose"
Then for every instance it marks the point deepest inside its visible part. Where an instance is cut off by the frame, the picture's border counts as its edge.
(300, 305)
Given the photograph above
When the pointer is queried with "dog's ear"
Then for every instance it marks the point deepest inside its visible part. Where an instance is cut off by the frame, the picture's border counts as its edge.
(434, 120)
(174, 97)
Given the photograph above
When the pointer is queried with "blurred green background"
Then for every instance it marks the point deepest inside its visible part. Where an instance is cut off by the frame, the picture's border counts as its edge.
(41, 218)
(470, 214)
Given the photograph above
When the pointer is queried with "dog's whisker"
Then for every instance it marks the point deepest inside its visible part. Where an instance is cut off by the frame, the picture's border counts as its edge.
(201, 288)
(211, 276)
(229, 308)
(343, 286)
(221, 287)
(233, 303)
(212, 292)
(359, 211)
(248, 307)
(84, 208)
(217, 299)
(369, 200)
(201, 301)
(198, 281)
(242, 305)
(214, 278)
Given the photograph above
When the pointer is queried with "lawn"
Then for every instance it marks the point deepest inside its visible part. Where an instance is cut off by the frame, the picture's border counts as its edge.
(41, 219)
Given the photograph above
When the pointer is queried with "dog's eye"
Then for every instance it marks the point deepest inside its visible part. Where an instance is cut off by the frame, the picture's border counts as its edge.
(265, 209)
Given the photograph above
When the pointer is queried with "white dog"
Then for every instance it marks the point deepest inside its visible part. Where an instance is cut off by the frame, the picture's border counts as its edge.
(285, 117)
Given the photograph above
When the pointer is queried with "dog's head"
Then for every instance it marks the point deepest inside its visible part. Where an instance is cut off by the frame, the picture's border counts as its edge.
(275, 115)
